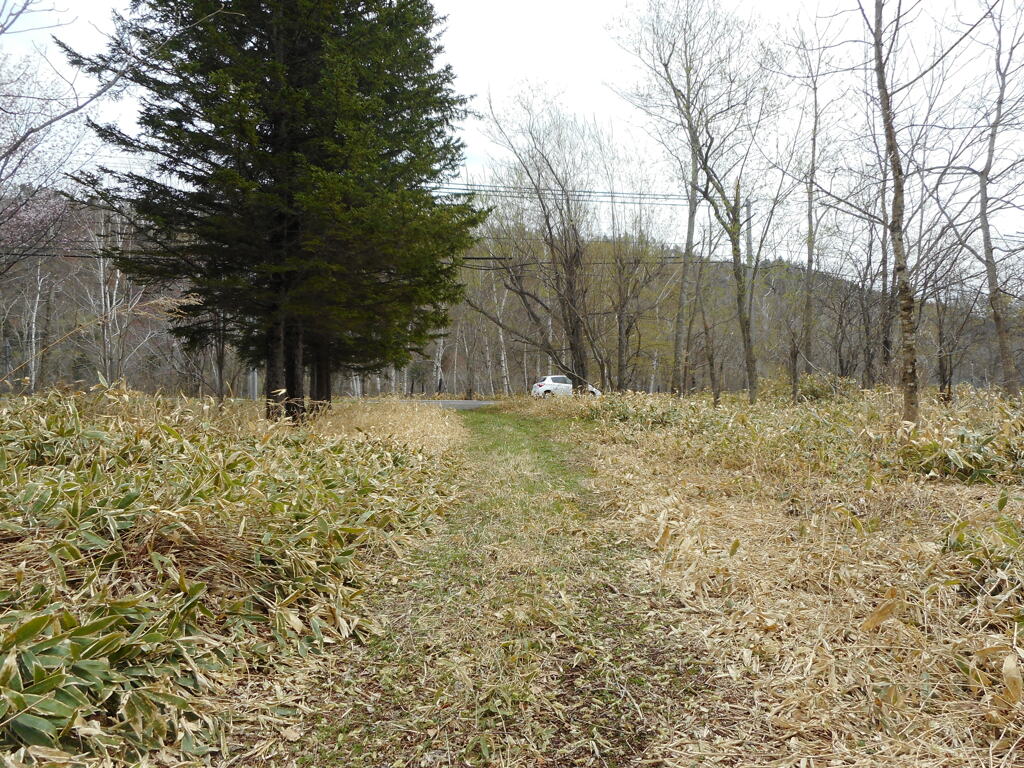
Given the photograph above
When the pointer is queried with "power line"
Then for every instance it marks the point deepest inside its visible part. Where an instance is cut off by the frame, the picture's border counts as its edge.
(596, 197)
(498, 188)
(577, 195)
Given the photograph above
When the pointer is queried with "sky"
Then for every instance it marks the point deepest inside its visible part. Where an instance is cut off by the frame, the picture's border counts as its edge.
(566, 49)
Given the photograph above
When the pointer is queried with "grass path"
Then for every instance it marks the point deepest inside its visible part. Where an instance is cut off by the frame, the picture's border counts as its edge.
(521, 633)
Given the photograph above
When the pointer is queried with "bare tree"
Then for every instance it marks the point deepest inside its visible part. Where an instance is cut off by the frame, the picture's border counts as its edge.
(33, 162)
(1007, 111)
(815, 63)
(108, 295)
(551, 160)
(709, 86)
(42, 134)
(685, 314)
(997, 171)
(884, 37)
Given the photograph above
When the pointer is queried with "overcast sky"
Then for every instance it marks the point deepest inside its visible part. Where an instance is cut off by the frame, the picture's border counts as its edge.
(564, 47)
(498, 48)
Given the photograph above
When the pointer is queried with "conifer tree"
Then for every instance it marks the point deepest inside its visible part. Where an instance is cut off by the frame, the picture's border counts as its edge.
(299, 145)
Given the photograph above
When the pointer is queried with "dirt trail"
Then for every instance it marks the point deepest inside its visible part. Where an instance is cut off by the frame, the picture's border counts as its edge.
(519, 634)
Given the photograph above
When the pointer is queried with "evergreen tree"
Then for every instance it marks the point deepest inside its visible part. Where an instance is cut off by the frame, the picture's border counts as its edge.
(299, 145)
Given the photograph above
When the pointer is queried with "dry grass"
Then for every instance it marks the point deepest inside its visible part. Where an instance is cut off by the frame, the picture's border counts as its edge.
(163, 556)
(420, 424)
(811, 585)
(511, 637)
(852, 608)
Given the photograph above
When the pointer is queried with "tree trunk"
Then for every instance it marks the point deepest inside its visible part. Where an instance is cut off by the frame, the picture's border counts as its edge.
(454, 380)
(577, 353)
(709, 354)
(997, 300)
(470, 372)
(438, 370)
(44, 341)
(33, 329)
(320, 378)
(294, 372)
(888, 311)
(739, 273)
(807, 326)
(681, 358)
(904, 292)
(489, 365)
(506, 378)
(274, 383)
(314, 381)
(620, 349)
(944, 358)
(865, 290)
(794, 371)
(689, 379)
(326, 378)
(570, 305)
(220, 359)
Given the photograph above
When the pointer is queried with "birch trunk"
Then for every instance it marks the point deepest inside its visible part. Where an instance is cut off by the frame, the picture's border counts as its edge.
(681, 357)
(904, 292)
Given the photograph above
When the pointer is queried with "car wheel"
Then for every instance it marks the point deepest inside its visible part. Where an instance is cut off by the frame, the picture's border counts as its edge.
(549, 393)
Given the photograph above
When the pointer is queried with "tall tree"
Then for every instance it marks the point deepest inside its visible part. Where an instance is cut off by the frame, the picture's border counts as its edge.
(684, 314)
(710, 87)
(999, 118)
(884, 35)
(298, 146)
(813, 66)
(552, 157)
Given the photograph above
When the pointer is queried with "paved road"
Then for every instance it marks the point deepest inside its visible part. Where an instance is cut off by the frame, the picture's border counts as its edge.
(451, 405)
(455, 405)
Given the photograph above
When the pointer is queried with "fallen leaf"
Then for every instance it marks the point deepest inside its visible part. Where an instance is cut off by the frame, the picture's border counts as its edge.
(883, 612)
(1012, 679)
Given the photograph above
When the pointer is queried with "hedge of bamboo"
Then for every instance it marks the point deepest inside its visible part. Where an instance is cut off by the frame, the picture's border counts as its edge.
(153, 549)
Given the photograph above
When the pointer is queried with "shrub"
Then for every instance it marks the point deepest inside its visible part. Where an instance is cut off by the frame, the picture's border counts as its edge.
(811, 387)
(153, 546)
(637, 409)
(947, 449)
(824, 386)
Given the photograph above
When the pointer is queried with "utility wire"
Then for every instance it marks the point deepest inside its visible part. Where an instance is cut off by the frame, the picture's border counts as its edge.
(606, 196)
(583, 196)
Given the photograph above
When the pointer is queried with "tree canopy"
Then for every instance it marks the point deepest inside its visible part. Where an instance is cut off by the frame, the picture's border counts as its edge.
(299, 146)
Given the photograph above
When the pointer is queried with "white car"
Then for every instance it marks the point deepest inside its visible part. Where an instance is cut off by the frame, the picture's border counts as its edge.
(558, 386)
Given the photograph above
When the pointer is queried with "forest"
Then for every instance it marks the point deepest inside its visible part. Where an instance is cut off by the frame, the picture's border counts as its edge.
(767, 249)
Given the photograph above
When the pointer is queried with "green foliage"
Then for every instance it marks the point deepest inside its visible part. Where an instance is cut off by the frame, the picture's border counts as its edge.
(154, 547)
(948, 449)
(300, 146)
(987, 561)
